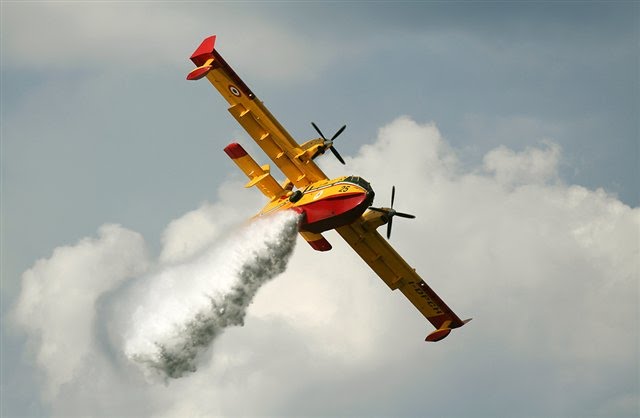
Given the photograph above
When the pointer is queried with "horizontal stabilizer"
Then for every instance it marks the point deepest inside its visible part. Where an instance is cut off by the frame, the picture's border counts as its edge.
(257, 179)
(258, 176)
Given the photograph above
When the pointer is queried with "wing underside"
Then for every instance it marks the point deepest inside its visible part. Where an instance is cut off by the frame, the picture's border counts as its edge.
(397, 274)
(254, 117)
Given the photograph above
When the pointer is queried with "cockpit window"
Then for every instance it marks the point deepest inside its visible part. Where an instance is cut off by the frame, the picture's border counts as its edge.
(359, 181)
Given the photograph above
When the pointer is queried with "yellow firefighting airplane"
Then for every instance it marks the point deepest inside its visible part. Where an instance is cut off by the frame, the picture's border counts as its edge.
(343, 204)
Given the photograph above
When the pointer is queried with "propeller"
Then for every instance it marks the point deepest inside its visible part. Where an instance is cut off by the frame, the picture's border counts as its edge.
(329, 142)
(390, 212)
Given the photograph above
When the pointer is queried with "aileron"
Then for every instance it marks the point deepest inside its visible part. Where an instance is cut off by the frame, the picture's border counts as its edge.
(396, 273)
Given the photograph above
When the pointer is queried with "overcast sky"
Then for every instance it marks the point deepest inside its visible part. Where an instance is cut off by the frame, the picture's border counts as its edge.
(509, 129)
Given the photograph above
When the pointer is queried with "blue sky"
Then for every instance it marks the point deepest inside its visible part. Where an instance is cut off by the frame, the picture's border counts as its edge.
(99, 125)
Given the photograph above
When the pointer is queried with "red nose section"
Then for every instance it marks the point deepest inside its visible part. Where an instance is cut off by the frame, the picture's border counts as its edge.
(335, 206)
(330, 213)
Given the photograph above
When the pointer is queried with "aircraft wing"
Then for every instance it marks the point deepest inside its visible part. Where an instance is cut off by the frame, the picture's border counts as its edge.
(397, 274)
(254, 117)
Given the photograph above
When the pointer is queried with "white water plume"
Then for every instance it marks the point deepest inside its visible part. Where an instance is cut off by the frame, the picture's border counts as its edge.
(175, 314)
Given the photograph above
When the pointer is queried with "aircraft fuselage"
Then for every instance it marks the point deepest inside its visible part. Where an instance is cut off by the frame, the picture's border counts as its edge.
(326, 204)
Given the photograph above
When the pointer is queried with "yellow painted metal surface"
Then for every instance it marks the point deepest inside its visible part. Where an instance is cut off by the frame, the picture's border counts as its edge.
(259, 176)
(265, 130)
(313, 192)
(394, 270)
(296, 162)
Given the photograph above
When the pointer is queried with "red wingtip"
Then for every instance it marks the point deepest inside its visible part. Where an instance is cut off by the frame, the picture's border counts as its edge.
(204, 51)
(235, 150)
(445, 330)
(438, 334)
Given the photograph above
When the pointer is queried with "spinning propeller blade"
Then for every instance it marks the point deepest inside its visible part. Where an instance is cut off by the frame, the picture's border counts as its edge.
(338, 133)
(318, 130)
(335, 152)
(390, 212)
(328, 143)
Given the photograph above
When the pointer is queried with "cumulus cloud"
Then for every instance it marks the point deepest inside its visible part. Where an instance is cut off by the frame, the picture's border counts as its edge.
(57, 304)
(548, 271)
(533, 165)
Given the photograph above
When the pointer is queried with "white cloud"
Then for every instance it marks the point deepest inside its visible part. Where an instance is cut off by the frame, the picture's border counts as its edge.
(57, 303)
(549, 272)
(531, 166)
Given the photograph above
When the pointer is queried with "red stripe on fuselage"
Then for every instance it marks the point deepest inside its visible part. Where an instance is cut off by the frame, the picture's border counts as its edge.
(332, 212)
